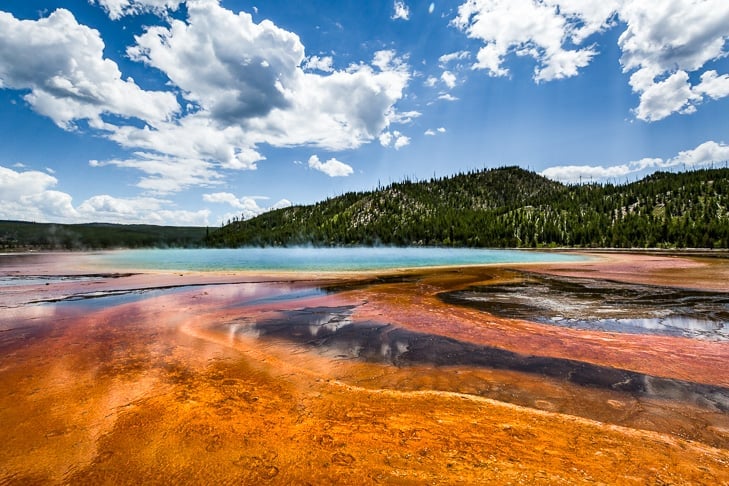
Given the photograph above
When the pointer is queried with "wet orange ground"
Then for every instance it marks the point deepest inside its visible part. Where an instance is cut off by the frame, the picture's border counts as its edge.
(166, 389)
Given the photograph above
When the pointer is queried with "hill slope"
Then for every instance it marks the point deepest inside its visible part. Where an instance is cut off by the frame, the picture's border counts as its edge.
(506, 207)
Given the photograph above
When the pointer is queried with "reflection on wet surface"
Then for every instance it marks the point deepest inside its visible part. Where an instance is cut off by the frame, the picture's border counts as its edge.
(602, 305)
(331, 331)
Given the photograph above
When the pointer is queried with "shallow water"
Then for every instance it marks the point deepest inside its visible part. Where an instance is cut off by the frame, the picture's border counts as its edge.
(317, 259)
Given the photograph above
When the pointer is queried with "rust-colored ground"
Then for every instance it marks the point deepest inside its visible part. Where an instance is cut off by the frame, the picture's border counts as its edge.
(175, 387)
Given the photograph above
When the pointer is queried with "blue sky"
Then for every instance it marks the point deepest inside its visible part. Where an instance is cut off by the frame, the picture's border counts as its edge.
(192, 112)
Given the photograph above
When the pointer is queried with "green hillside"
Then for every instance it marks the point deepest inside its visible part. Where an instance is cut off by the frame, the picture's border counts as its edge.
(506, 207)
(20, 235)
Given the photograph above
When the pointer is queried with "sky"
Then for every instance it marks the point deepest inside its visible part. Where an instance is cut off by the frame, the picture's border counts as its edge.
(195, 112)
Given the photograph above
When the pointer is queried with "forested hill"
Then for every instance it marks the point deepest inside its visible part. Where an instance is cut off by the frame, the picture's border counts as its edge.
(22, 235)
(506, 207)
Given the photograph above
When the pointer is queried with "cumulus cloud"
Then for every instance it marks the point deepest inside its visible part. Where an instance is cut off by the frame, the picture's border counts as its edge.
(332, 167)
(227, 64)
(250, 86)
(29, 196)
(663, 44)
(119, 8)
(448, 78)
(713, 85)
(660, 99)
(394, 139)
(316, 63)
(666, 41)
(243, 84)
(707, 154)
(61, 63)
(548, 31)
(14, 185)
(401, 11)
(430, 132)
(247, 205)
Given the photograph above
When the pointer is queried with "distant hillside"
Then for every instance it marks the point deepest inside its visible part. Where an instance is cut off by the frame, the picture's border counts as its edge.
(506, 207)
(19, 235)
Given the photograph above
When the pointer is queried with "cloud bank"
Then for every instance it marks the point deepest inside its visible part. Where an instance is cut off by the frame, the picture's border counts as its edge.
(663, 44)
(234, 85)
(705, 155)
(31, 194)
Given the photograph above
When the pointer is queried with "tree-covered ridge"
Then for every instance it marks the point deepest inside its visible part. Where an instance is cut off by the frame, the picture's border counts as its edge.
(21, 235)
(506, 207)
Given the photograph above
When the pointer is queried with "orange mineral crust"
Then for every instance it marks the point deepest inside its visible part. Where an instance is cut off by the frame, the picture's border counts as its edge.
(297, 379)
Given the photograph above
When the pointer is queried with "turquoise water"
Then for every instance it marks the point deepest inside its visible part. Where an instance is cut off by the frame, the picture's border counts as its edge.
(317, 259)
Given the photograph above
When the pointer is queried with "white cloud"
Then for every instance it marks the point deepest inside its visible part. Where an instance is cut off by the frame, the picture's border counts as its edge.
(538, 29)
(706, 154)
(660, 99)
(585, 173)
(431, 7)
(401, 141)
(231, 67)
(243, 85)
(662, 45)
(339, 111)
(249, 83)
(394, 139)
(247, 205)
(143, 210)
(119, 8)
(449, 79)
(164, 174)
(401, 10)
(447, 97)
(193, 138)
(332, 167)
(713, 85)
(14, 185)
(454, 56)
(282, 203)
(431, 81)
(403, 117)
(316, 63)
(61, 63)
(430, 132)
(29, 196)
